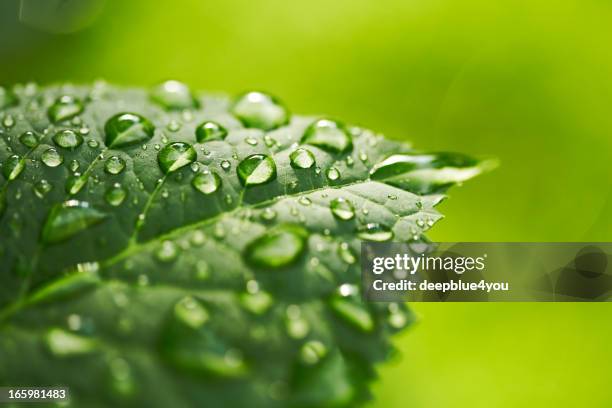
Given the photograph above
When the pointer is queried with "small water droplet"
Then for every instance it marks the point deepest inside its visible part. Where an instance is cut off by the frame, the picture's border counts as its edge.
(342, 209)
(115, 195)
(260, 110)
(68, 139)
(13, 166)
(126, 129)
(62, 343)
(65, 107)
(191, 312)
(312, 352)
(328, 135)
(346, 254)
(28, 139)
(51, 157)
(167, 252)
(305, 201)
(256, 169)
(332, 174)
(348, 306)
(174, 126)
(174, 95)
(42, 187)
(114, 165)
(175, 156)
(73, 166)
(277, 247)
(75, 183)
(297, 326)
(195, 166)
(206, 183)
(302, 159)
(92, 143)
(375, 232)
(8, 121)
(268, 214)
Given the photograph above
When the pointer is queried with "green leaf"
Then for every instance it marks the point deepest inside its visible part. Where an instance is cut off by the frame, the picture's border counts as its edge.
(154, 265)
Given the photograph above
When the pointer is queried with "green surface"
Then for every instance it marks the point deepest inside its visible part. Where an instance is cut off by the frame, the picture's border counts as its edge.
(528, 82)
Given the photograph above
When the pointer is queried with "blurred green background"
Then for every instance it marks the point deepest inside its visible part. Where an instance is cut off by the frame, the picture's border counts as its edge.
(528, 82)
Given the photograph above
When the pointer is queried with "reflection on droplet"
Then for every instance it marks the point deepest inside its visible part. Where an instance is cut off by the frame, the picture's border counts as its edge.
(256, 169)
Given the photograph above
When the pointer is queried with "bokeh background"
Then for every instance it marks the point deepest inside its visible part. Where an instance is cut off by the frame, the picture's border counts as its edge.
(529, 82)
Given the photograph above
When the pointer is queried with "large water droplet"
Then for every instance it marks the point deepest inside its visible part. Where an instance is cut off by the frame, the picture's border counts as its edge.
(42, 187)
(260, 110)
(342, 209)
(174, 95)
(302, 159)
(51, 157)
(206, 183)
(69, 218)
(176, 155)
(28, 139)
(7, 98)
(126, 129)
(375, 232)
(115, 195)
(65, 107)
(425, 173)
(191, 312)
(68, 139)
(13, 166)
(256, 169)
(347, 305)
(328, 135)
(210, 130)
(114, 165)
(277, 247)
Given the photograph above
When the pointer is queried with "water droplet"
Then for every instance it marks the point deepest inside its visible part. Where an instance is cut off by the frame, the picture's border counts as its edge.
(7, 98)
(125, 129)
(174, 95)
(92, 143)
(195, 166)
(68, 139)
(51, 157)
(65, 107)
(42, 187)
(174, 126)
(348, 306)
(392, 197)
(260, 110)
(114, 165)
(251, 140)
(210, 130)
(268, 214)
(176, 155)
(397, 318)
(206, 183)
(75, 183)
(28, 139)
(277, 247)
(305, 201)
(349, 161)
(167, 251)
(342, 209)
(257, 302)
(225, 165)
(8, 121)
(312, 352)
(363, 156)
(332, 174)
(256, 169)
(12, 167)
(302, 159)
(191, 312)
(297, 326)
(328, 135)
(375, 232)
(73, 166)
(69, 218)
(115, 195)
(62, 343)
(346, 254)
